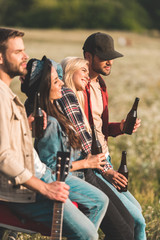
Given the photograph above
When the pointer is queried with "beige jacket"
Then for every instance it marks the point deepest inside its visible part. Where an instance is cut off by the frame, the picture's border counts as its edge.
(16, 149)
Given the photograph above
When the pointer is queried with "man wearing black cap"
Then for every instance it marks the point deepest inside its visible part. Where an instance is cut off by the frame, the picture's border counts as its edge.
(99, 51)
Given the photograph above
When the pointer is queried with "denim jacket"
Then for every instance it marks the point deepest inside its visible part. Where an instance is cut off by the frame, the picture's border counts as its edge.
(54, 140)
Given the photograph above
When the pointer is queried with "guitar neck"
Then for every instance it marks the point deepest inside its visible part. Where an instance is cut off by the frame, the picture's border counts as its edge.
(56, 232)
(62, 169)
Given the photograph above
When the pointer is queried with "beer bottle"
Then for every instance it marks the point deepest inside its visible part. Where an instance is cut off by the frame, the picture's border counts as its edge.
(37, 126)
(131, 118)
(96, 147)
(123, 170)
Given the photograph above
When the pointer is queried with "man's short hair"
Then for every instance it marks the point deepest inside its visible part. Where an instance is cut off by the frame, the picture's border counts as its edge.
(5, 35)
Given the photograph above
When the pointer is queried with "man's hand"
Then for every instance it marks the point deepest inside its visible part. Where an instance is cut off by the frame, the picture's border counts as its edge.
(31, 119)
(115, 178)
(122, 125)
(44, 119)
(55, 191)
(136, 126)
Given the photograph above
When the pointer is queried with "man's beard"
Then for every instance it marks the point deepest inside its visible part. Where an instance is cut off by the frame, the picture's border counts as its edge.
(13, 70)
(99, 70)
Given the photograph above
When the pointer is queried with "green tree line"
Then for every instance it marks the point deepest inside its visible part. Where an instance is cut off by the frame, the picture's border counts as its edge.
(133, 15)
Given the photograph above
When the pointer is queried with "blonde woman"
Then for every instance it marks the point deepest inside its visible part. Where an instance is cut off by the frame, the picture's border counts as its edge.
(76, 77)
(117, 223)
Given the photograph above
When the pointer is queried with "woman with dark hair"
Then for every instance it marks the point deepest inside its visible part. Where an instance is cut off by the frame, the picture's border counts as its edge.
(83, 225)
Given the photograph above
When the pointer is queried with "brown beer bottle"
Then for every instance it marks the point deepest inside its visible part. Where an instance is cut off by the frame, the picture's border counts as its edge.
(96, 147)
(37, 126)
(123, 170)
(131, 118)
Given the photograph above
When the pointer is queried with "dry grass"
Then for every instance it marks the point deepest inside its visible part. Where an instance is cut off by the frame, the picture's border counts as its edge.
(137, 74)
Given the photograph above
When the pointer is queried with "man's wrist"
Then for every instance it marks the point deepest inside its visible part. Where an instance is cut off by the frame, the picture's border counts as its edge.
(106, 168)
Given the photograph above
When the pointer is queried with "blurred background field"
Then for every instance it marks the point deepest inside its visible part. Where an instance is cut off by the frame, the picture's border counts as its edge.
(137, 74)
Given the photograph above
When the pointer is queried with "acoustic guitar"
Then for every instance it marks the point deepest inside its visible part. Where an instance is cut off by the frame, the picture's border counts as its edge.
(62, 169)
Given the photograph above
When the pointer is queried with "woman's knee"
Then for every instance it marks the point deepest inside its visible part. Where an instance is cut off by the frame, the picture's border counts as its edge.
(79, 230)
(90, 236)
(103, 201)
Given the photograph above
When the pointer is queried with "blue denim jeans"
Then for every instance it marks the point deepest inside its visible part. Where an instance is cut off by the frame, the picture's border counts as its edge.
(133, 207)
(76, 225)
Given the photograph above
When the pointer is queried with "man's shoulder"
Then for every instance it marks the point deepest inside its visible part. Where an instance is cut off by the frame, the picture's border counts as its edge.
(4, 98)
(5, 92)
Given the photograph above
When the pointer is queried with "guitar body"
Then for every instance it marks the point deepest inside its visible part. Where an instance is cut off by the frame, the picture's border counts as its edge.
(62, 169)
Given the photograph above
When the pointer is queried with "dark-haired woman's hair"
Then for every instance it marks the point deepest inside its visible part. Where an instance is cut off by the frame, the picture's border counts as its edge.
(52, 109)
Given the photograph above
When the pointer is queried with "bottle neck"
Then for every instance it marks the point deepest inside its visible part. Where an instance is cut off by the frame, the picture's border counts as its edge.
(123, 160)
(38, 100)
(135, 105)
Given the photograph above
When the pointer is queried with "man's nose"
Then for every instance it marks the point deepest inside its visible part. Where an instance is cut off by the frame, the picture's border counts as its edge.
(26, 55)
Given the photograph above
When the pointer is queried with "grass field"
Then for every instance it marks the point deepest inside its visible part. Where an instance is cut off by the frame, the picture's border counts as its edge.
(137, 74)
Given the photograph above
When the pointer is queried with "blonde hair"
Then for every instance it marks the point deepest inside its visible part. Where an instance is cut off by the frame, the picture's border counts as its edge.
(70, 65)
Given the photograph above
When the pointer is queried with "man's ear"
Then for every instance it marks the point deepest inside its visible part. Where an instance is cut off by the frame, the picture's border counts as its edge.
(1, 58)
(88, 56)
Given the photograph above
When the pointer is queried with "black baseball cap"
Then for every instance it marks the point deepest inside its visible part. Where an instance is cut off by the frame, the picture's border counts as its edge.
(101, 45)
